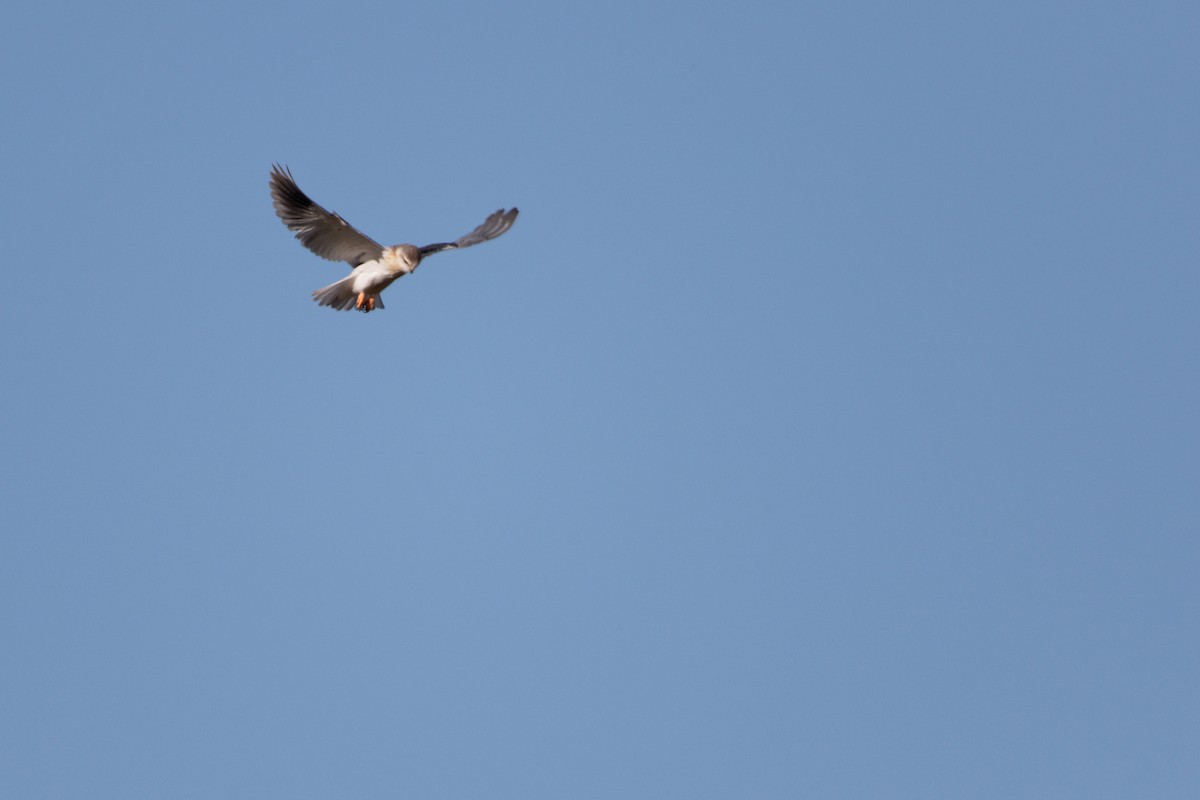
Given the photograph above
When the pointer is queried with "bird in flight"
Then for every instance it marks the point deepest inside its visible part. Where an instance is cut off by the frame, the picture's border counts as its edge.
(373, 267)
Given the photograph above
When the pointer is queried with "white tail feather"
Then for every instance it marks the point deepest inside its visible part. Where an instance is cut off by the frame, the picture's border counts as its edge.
(339, 296)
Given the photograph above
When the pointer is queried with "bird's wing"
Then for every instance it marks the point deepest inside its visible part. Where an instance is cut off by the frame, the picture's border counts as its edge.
(496, 224)
(321, 231)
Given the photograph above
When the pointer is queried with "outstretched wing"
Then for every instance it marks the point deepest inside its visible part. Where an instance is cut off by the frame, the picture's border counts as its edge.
(496, 224)
(321, 231)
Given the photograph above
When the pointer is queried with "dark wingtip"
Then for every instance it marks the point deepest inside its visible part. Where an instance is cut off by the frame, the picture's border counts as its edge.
(280, 176)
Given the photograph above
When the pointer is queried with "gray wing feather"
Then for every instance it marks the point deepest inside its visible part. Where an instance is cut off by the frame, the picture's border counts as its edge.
(323, 232)
(496, 224)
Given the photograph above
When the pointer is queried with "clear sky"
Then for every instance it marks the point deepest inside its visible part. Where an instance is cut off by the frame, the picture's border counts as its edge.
(825, 427)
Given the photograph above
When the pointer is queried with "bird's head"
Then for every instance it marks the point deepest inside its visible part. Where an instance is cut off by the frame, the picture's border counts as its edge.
(401, 259)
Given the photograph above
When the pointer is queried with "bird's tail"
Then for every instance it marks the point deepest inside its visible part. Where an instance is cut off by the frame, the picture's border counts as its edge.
(341, 296)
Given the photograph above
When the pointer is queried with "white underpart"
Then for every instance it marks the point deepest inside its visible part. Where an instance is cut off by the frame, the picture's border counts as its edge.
(371, 274)
(378, 274)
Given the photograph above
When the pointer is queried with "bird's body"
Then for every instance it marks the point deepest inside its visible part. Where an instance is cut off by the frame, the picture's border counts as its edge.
(373, 267)
(361, 288)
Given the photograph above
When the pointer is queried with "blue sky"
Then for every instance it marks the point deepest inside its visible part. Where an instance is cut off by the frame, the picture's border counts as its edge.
(825, 427)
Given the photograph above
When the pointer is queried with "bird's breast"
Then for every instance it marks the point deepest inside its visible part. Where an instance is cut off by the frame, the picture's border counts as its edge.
(371, 275)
